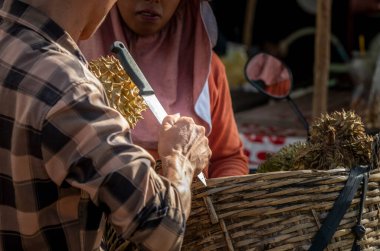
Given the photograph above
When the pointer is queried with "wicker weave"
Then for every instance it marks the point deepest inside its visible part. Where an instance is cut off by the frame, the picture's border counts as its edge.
(277, 211)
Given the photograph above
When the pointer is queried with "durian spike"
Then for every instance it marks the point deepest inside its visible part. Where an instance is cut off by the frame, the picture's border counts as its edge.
(122, 93)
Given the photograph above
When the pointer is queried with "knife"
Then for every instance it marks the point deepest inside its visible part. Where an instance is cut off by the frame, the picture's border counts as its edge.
(146, 91)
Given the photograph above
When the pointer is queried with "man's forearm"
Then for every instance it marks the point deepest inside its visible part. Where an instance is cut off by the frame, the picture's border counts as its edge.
(178, 170)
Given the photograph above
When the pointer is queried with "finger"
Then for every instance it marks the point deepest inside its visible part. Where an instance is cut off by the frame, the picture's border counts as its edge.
(185, 121)
(170, 120)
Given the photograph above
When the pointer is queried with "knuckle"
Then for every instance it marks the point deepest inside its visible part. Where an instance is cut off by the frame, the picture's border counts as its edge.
(188, 120)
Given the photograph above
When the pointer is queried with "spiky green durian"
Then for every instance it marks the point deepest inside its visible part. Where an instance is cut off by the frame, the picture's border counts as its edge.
(338, 139)
(283, 160)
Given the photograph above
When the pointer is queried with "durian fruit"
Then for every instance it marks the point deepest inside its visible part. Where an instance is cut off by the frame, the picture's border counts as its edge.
(122, 93)
(283, 160)
(337, 140)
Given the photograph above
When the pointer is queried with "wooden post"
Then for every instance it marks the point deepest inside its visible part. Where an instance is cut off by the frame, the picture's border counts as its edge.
(248, 22)
(322, 57)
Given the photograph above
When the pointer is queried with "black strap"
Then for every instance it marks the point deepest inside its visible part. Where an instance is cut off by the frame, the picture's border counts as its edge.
(359, 229)
(330, 224)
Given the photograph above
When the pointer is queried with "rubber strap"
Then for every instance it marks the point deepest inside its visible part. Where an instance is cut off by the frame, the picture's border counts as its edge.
(330, 224)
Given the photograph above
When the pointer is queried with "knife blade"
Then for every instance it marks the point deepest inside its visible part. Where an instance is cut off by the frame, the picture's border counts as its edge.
(146, 91)
(136, 75)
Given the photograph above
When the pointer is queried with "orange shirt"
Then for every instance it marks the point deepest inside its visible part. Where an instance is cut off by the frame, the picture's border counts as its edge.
(228, 158)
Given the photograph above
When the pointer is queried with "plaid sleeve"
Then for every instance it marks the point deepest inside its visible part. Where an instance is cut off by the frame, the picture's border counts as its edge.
(87, 144)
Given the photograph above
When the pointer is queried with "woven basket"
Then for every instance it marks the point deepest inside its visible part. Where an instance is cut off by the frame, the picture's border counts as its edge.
(278, 211)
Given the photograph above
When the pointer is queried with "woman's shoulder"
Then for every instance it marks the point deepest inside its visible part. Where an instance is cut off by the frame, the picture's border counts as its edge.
(216, 62)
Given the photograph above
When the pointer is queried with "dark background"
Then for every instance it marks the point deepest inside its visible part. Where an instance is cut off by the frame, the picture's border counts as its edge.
(276, 19)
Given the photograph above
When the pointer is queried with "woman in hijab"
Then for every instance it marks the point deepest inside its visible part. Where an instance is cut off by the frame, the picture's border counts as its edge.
(172, 41)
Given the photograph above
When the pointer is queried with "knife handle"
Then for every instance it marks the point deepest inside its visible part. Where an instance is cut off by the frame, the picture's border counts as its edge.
(131, 68)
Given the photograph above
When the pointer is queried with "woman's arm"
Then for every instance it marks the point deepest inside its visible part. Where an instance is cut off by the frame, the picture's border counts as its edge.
(228, 158)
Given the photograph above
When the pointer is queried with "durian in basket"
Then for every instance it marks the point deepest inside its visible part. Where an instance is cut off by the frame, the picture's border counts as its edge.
(337, 140)
(286, 208)
(122, 93)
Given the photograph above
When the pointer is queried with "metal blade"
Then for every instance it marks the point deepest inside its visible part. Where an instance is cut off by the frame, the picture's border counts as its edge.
(202, 178)
(141, 82)
(155, 106)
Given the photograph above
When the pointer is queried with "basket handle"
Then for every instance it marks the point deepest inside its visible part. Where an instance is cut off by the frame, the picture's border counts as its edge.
(325, 233)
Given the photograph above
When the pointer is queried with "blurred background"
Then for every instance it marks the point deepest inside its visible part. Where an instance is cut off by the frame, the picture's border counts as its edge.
(288, 30)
